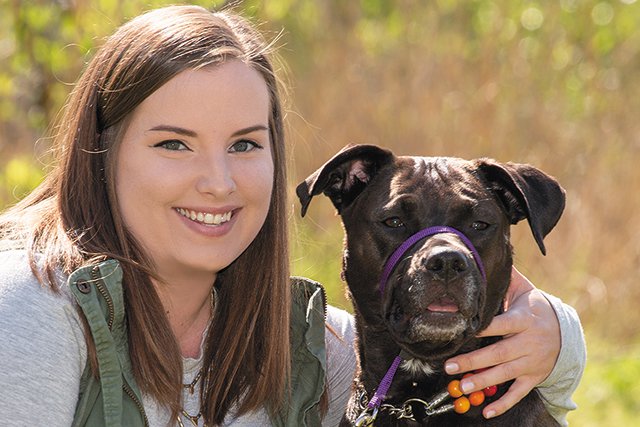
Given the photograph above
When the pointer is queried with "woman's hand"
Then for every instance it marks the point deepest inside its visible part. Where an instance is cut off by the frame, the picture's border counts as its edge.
(527, 353)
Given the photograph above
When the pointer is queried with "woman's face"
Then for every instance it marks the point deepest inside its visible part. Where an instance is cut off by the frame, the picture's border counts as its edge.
(194, 171)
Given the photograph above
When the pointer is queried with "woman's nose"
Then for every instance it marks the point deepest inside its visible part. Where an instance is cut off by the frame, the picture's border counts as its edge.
(215, 176)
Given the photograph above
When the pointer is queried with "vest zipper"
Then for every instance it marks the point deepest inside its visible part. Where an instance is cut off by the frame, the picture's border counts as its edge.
(101, 287)
(132, 395)
(324, 301)
(95, 275)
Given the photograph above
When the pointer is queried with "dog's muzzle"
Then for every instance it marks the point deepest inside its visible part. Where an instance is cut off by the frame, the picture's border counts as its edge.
(397, 255)
(442, 318)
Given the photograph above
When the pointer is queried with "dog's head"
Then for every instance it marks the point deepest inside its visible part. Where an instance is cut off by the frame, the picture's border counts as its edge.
(436, 297)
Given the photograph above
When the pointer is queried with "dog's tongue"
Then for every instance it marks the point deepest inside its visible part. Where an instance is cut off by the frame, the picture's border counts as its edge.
(443, 306)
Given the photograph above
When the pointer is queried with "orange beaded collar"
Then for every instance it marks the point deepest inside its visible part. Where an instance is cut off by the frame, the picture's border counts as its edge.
(437, 405)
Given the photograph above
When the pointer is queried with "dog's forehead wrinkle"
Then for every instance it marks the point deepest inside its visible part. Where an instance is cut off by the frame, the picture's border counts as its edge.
(402, 184)
(399, 202)
(440, 166)
(472, 193)
(441, 179)
(412, 173)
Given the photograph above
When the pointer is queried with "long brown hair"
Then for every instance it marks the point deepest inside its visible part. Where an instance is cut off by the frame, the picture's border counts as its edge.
(72, 218)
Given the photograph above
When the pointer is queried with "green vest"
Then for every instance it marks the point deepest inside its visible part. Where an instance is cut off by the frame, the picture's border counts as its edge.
(114, 399)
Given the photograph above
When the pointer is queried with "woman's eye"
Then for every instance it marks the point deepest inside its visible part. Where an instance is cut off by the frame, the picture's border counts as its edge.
(479, 225)
(172, 144)
(244, 146)
(393, 222)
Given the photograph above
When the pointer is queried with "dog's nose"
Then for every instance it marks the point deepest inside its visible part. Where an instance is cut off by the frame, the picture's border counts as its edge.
(446, 264)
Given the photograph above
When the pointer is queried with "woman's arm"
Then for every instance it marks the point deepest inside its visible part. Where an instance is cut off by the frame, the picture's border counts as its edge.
(543, 347)
(341, 363)
(43, 353)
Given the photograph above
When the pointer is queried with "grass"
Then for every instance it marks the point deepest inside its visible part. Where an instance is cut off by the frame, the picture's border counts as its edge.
(608, 393)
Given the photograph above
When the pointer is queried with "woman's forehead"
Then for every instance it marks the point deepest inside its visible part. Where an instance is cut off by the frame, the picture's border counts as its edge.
(230, 94)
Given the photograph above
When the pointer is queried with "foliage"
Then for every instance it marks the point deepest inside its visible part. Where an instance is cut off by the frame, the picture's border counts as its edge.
(17, 178)
(548, 83)
(608, 393)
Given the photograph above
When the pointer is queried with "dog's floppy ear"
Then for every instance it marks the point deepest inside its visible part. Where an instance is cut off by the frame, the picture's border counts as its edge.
(344, 176)
(526, 192)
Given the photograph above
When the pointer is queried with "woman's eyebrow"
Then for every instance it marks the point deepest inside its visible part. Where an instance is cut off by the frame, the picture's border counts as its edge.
(175, 129)
(249, 130)
(190, 133)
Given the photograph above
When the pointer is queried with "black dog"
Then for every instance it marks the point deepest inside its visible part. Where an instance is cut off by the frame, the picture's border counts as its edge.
(444, 286)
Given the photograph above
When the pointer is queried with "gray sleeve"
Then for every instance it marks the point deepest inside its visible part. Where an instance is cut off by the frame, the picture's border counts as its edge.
(341, 363)
(42, 353)
(556, 390)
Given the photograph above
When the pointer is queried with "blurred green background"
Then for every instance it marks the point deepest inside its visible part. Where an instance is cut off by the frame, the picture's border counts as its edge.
(554, 84)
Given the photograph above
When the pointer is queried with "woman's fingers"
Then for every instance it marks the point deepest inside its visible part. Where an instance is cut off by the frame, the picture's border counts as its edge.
(511, 322)
(518, 390)
(496, 375)
(519, 366)
(526, 354)
(508, 324)
(489, 356)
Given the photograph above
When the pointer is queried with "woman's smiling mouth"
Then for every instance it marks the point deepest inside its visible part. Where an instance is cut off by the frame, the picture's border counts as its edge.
(205, 217)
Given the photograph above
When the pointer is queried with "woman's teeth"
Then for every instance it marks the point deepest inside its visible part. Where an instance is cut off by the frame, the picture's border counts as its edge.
(205, 218)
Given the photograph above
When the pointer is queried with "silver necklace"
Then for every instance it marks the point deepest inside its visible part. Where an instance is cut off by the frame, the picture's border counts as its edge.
(191, 387)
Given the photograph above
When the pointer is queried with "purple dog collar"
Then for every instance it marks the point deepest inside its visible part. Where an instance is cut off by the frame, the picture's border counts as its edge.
(430, 231)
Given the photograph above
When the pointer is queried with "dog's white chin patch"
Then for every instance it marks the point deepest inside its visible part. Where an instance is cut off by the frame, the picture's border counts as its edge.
(416, 367)
(423, 328)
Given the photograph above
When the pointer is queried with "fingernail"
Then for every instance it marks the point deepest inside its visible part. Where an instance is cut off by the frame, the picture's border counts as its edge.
(466, 386)
(490, 414)
(451, 368)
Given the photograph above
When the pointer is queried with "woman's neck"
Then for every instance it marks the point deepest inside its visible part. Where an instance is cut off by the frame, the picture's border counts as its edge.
(188, 307)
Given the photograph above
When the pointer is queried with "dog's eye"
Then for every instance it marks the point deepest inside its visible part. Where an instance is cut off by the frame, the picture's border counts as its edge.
(393, 222)
(479, 225)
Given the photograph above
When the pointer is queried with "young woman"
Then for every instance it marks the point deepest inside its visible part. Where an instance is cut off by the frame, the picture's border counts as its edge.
(146, 281)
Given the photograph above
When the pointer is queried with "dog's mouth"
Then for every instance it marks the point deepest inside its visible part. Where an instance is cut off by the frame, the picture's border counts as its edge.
(434, 323)
(444, 305)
